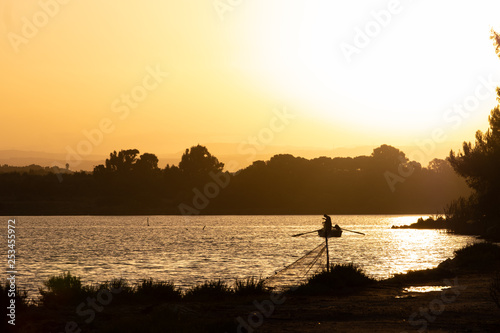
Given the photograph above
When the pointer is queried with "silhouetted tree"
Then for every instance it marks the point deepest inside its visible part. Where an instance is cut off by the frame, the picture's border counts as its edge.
(197, 163)
(131, 184)
(440, 166)
(123, 161)
(388, 157)
(147, 163)
(495, 36)
(479, 164)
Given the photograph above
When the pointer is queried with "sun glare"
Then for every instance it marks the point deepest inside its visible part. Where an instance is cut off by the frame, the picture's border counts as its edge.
(404, 72)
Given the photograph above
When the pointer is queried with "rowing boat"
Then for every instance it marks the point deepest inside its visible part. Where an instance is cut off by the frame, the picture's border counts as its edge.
(331, 233)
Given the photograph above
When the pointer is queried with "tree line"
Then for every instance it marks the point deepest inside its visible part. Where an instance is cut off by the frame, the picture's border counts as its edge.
(132, 183)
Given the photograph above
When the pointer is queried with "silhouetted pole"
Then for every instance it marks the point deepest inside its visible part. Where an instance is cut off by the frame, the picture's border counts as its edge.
(327, 254)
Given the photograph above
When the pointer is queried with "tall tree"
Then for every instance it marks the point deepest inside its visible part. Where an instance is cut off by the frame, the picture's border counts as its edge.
(147, 163)
(123, 161)
(198, 162)
(479, 164)
(495, 36)
(388, 157)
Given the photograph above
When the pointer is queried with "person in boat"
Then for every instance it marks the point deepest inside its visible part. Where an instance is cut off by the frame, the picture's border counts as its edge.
(327, 223)
(337, 228)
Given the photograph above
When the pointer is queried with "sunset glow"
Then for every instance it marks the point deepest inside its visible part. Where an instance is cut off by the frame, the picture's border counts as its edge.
(354, 74)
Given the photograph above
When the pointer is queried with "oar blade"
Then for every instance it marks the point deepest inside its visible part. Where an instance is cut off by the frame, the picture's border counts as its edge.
(304, 233)
(356, 232)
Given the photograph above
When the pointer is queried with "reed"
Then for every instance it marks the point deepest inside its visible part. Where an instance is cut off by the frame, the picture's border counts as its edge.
(214, 290)
(159, 290)
(249, 287)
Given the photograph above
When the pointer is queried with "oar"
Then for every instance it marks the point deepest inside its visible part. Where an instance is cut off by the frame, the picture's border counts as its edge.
(356, 232)
(304, 233)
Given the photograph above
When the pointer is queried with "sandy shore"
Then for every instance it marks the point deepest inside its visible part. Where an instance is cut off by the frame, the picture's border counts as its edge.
(384, 307)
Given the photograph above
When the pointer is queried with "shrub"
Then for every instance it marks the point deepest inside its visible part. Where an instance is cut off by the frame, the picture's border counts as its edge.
(210, 290)
(161, 290)
(63, 289)
(250, 286)
(340, 279)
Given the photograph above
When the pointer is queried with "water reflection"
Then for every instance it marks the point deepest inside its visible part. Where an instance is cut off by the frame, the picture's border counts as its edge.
(425, 289)
(105, 247)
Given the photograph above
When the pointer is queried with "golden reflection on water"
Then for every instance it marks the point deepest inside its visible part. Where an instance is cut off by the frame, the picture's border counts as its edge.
(425, 289)
(192, 249)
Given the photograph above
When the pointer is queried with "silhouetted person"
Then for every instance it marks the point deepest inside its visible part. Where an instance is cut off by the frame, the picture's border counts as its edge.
(337, 227)
(328, 223)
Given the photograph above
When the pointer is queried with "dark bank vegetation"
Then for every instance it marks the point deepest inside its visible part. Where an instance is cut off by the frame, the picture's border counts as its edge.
(481, 257)
(213, 306)
(478, 163)
(133, 183)
(340, 279)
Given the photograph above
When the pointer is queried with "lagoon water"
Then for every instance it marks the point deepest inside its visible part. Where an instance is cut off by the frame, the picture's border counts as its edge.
(190, 250)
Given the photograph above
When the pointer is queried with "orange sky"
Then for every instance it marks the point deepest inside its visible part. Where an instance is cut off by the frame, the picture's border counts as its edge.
(160, 76)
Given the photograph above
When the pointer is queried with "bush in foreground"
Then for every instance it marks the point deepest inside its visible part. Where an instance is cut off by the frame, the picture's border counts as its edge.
(214, 290)
(160, 290)
(63, 289)
(340, 279)
(249, 287)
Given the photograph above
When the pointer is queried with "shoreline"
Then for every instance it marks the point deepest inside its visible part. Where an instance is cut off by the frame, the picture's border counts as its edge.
(382, 306)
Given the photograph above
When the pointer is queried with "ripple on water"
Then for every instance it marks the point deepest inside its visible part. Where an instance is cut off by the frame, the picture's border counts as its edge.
(99, 248)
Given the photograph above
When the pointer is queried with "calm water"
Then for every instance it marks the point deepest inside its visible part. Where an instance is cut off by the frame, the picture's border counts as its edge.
(189, 250)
